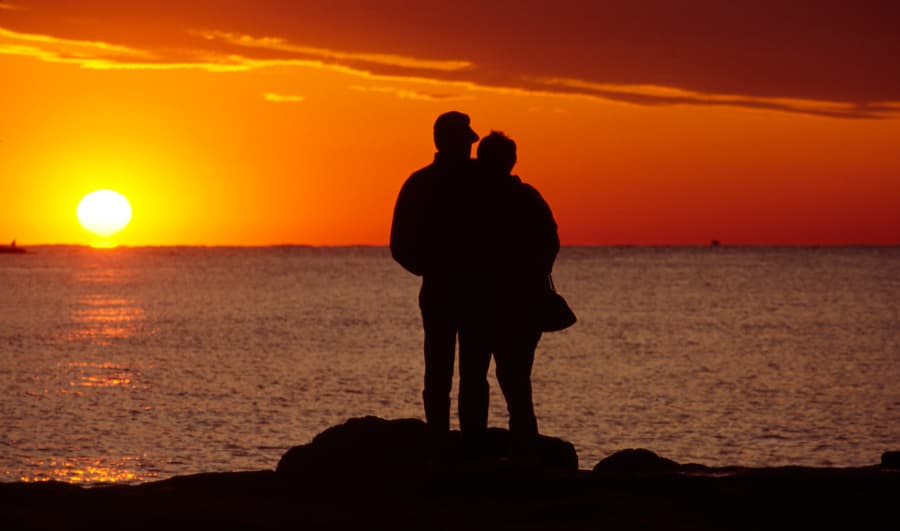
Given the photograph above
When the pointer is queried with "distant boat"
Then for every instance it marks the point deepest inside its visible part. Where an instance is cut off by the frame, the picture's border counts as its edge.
(12, 248)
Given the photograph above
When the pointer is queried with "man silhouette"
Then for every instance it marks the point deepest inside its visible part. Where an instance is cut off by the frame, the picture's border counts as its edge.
(428, 232)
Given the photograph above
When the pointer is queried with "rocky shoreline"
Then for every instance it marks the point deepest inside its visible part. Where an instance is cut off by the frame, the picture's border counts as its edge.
(371, 473)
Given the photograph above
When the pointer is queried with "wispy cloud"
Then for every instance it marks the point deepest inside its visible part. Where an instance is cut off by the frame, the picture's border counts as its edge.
(283, 98)
(54, 49)
(657, 95)
(407, 94)
(101, 55)
(217, 51)
(282, 45)
(5, 6)
(106, 56)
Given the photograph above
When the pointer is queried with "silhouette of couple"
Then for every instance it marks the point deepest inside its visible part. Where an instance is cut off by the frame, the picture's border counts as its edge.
(484, 244)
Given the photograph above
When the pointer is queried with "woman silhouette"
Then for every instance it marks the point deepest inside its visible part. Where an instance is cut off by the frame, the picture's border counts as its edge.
(517, 243)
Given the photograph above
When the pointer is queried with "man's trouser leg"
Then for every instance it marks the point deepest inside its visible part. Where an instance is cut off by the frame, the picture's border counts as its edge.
(440, 351)
(474, 391)
(440, 347)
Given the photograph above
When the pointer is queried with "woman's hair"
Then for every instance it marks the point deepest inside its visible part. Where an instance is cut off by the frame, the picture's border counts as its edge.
(498, 152)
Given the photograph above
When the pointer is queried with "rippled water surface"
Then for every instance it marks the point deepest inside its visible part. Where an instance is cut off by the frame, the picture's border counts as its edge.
(128, 365)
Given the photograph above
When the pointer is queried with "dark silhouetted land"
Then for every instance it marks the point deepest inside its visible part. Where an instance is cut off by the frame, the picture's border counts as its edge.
(374, 474)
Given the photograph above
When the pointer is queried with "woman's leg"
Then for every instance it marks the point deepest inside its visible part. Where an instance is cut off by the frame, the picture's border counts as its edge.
(515, 357)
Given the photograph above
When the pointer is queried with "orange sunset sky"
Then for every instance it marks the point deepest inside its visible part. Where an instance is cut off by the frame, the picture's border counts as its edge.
(274, 122)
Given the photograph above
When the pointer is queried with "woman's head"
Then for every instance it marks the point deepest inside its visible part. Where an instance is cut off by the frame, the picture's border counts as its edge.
(497, 152)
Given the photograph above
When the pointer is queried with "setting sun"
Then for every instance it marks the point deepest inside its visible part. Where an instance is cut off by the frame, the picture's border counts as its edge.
(104, 212)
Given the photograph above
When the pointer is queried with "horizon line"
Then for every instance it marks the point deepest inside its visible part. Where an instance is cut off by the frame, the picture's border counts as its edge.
(386, 246)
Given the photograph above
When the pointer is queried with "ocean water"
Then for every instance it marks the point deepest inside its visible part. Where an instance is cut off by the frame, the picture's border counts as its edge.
(135, 364)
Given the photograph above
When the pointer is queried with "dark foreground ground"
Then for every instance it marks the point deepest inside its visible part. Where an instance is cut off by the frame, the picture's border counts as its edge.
(374, 474)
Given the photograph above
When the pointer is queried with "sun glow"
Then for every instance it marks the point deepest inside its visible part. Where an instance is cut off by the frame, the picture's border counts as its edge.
(104, 213)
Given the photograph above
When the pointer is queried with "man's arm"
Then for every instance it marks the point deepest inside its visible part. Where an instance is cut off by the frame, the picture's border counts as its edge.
(406, 227)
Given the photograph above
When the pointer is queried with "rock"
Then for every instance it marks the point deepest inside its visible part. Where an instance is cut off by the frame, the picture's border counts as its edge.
(635, 462)
(361, 447)
(890, 460)
(372, 448)
(555, 453)
(546, 452)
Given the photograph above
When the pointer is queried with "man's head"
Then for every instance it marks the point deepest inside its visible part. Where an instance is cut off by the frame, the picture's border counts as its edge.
(453, 134)
(497, 152)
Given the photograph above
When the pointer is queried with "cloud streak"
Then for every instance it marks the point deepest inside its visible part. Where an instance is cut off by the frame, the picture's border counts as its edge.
(819, 62)
(55, 49)
(281, 45)
(283, 98)
(654, 95)
(408, 94)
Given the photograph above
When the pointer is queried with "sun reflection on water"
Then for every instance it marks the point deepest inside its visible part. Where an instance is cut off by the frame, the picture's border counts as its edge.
(87, 470)
(100, 319)
(104, 374)
(104, 244)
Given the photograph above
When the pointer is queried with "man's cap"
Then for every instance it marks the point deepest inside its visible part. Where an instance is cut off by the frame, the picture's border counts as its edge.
(454, 124)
